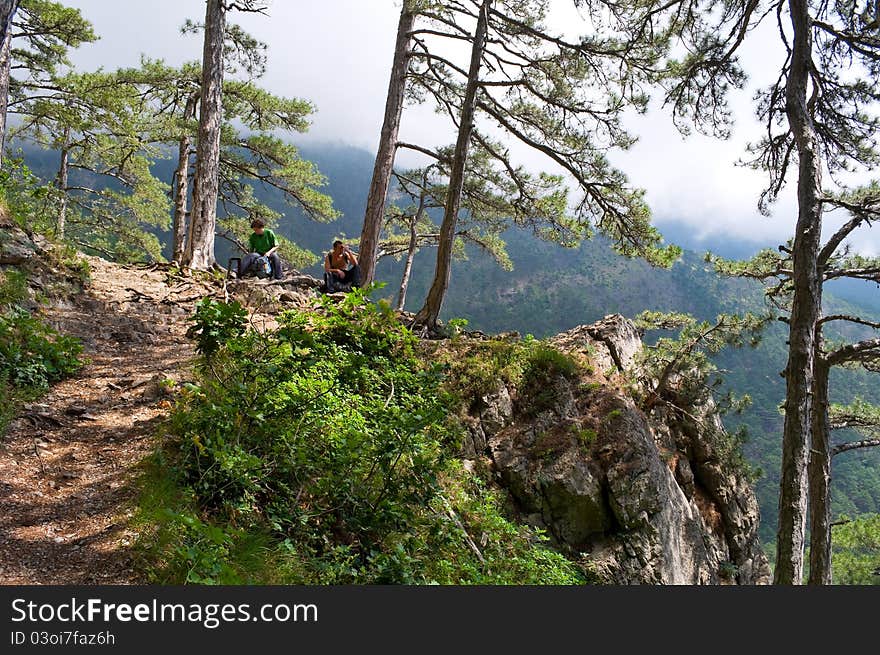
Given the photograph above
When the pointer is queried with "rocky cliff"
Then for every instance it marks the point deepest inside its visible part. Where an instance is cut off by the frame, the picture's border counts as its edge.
(641, 498)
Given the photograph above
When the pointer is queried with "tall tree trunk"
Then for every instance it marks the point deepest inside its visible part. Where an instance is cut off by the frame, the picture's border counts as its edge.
(203, 218)
(407, 267)
(820, 478)
(806, 304)
(384, 166)
(429, 314)
(181, 183)
(7, 13)
(63, 170)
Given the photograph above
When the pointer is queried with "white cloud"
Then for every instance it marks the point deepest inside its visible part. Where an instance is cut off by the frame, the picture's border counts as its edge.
(337, 53)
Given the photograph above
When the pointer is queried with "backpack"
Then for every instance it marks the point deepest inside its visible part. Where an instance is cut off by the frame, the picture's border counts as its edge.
(261, 267)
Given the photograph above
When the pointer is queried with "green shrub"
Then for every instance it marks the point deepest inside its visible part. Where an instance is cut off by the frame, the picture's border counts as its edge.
(215, 323)
(7, 405)
(477, 368)
(328, 442)
(68, 258)
(543, 369)
(32, 354)
(13, 288)
(586, 437)
(23, 195)
(177, 545)
(545, 362)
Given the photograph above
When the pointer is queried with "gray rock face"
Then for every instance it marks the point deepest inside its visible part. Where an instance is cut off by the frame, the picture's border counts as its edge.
(295, 290)
(16, 247)
(644, 498)
(614, 342)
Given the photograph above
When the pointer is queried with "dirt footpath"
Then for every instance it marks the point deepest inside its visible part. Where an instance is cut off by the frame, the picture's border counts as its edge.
(68, 461)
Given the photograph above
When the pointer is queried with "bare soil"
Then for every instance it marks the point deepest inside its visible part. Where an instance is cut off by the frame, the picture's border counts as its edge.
(69, 461)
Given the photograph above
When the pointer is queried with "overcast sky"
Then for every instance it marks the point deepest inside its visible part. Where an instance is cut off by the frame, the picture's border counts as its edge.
(337, 54)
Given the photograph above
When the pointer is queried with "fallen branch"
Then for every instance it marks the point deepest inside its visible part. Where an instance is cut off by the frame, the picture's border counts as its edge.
(140, 295)
(470, 542)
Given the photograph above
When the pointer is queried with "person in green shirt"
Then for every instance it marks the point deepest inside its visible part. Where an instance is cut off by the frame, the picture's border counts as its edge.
(262, 243)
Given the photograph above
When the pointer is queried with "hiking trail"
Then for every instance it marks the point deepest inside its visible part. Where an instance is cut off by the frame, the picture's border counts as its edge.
(68, 461)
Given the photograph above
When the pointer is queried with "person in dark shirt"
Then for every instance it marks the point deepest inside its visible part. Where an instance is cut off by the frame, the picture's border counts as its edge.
(262, 243)
(341, 270)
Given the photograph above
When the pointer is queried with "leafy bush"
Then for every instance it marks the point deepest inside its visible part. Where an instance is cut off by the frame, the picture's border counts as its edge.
(177, 545)
(330, 438)
(22, 193)
(32, 354)
(215, 323)
(13, 288)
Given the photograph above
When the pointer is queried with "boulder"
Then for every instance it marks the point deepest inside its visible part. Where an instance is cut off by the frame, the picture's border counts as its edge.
(16, 247)
(612, 343)
(640, 498)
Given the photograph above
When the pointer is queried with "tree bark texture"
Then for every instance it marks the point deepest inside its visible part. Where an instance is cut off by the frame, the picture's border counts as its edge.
(199, 252)
(820, 478)
(181, 184)
(384, 166)
(61, 183)
(806, 305)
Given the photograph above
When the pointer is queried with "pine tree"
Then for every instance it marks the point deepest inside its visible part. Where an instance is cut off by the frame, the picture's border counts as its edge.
(491, 203)
(835, 261)
(539, 89)
(98, 125)
(384, 166)
(252, 157)
(37, 35)
(430, 311)
(817, 116)
(199, 253)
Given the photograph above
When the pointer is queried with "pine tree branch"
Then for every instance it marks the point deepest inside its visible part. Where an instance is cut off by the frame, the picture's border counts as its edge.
(868, 349)
(425, 151)
(853, 445)
(247, 6)
(850, 319)
(834, 242)
(871, 274)
(867, 46)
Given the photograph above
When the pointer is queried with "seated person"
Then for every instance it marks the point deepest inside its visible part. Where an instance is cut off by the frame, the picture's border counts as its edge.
(341, 270)
(262, 243)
